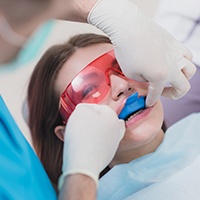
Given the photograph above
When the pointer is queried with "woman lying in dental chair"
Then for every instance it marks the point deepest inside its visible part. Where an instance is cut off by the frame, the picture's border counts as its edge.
(149, 160)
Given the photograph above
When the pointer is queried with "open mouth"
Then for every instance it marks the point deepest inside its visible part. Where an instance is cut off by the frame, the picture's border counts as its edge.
(133, 106)
(130, 116)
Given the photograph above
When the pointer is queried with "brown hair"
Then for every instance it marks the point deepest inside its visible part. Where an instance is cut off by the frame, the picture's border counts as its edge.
(43, 101)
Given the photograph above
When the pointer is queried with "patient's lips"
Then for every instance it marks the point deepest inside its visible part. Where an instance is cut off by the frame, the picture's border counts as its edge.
(133, 106)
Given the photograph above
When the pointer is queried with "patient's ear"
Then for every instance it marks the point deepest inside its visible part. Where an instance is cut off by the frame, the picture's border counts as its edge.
(60, 132)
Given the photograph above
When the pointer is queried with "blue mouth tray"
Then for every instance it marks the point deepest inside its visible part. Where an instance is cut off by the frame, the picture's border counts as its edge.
(133, 104)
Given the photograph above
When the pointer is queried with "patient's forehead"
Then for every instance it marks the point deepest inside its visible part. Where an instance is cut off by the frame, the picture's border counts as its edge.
(77, 62)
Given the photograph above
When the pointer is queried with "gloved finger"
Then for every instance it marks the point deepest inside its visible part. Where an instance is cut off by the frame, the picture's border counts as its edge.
(107, 110)
(187, 67)
(154, 91)
(179, 87)
(83, 105)
(183, 51)
(133, 75)
(187, 53)
(91, 107)
(103, 110)
(139, 78)
(96, 107)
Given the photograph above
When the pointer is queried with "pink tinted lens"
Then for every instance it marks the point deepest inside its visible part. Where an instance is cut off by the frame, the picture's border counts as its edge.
(89, 87)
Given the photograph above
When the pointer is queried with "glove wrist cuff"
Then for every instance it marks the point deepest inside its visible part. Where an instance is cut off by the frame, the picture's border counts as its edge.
(73, 172)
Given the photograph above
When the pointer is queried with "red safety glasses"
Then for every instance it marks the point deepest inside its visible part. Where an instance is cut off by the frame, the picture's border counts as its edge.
(90, 85)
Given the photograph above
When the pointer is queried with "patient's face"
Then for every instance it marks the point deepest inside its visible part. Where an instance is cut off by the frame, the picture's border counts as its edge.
(143, 127)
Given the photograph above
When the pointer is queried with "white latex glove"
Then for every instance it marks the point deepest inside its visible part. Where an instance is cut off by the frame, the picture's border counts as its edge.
(144, 50)
(92, 136)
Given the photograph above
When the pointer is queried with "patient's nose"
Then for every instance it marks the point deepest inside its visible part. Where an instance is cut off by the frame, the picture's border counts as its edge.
(120, 87)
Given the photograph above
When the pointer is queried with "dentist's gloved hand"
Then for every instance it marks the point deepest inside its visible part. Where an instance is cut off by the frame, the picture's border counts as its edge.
(144, 50)
(92, 136)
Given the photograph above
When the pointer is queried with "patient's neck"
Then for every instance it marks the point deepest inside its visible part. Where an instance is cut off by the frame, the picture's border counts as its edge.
(131, 154)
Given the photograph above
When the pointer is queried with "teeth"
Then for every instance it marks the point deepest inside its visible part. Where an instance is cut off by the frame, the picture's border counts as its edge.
(131, 116)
